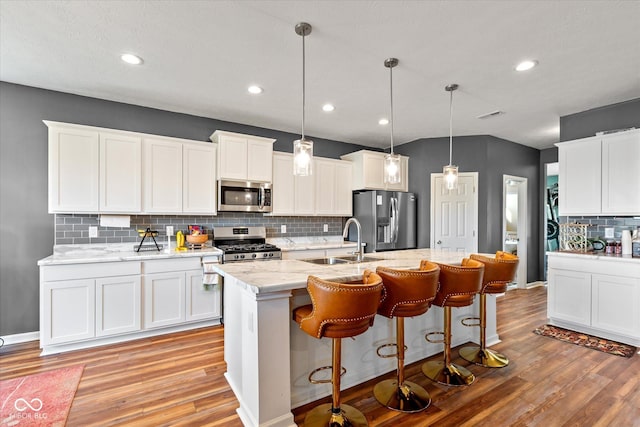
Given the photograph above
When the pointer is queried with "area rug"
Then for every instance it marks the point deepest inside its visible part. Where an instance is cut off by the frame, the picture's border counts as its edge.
(40, 399)
(584, 340)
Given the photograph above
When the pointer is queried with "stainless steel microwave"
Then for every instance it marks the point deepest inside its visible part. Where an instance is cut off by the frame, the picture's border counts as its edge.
(244, 196)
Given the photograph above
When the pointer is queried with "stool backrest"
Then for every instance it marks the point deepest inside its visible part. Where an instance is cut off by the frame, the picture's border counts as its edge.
(342, 310)
(499, 271)
(459, 283)
(408, 292)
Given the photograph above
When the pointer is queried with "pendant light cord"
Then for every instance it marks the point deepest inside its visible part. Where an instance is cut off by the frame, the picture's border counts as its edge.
(450, 127)
(303, 85)
(391, 103)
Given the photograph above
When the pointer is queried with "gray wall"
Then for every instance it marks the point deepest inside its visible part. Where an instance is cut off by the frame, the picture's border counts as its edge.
(491, 157)
(27, 230)
(610, 117)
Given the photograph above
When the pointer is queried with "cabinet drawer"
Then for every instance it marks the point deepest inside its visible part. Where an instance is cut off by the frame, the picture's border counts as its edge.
(91, 271)
(167, 265)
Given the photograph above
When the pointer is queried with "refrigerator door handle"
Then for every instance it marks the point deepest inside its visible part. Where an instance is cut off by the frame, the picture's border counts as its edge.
(394, 220)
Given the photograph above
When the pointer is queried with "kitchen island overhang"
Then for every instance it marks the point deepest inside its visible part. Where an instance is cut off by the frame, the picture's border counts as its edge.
(269, 358)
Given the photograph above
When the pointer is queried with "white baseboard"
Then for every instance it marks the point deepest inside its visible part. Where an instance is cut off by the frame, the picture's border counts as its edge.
(20, 338)
(536, 284)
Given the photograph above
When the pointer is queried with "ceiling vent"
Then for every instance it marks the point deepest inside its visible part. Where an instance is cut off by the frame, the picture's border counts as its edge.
(491, 114)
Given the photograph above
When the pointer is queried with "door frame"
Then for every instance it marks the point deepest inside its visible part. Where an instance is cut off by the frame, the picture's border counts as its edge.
(473, 175)
(523, 186)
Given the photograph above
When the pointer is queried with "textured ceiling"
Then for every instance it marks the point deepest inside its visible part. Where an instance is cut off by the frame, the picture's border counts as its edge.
(200, 56)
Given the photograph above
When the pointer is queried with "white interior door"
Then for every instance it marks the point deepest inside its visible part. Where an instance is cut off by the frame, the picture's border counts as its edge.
(454, 214)
(514, 220)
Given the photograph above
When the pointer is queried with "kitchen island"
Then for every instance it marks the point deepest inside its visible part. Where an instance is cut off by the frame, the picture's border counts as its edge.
(269, 358)
(595, 294)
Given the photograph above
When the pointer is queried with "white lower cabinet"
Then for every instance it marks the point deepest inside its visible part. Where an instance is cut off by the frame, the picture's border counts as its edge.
(117, 305)
(67, 311)
(202, 302)
(595, 295)
(163, 299)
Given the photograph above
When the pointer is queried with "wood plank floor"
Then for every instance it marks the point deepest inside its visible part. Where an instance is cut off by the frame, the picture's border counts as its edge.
(176, 380)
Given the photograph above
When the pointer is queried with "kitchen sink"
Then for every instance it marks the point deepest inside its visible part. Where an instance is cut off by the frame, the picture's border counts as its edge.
(351, 259)
(325, 261)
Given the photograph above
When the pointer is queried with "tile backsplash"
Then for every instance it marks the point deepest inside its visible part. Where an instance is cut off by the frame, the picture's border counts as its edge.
(73, 229)
(599, 223)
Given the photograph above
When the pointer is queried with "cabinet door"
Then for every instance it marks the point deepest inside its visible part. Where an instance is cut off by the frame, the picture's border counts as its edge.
(569, 296)
(283, 184)
(199, 178)
(69, 311)
(344, 193)
(373, 171)
(326, 186)
(579, 181)
(233, 157)
(73, 170)
(616, 304)
(258, 161)
(162, 176)
(164, 299)
(202, 302)
(120, 173)
(620, 177)
(117, 305)
(304, 194)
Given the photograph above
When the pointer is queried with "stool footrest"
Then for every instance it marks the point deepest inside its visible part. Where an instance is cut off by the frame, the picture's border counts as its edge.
(467, 321)
(427, 337)
(323, 368)
(390, 354)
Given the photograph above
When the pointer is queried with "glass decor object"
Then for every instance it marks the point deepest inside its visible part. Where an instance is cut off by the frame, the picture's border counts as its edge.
(303, 147)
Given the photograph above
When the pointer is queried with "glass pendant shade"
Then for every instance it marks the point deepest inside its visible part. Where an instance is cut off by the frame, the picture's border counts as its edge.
(392, 169)
(302, 157)
(450, 173)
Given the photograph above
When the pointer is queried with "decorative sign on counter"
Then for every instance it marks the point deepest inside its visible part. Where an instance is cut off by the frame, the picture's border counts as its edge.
(573, 237)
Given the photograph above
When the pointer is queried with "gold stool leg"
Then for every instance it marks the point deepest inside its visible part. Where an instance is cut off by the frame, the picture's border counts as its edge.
(332, 414)
(398, 394)
(482, 355)
(445, 372)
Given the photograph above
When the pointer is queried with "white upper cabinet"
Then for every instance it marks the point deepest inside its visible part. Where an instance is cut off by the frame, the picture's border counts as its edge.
(243, 157)
(283, 186)
(73, 169)
(333, 187)
(96, 170)
(120, 173)
(368, 171)
(598, 175)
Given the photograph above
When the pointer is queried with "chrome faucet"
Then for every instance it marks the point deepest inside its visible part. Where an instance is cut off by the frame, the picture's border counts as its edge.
(345, 233)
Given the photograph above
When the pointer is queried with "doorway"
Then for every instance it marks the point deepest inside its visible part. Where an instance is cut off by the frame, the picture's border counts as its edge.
(514, 223)
(454, 214)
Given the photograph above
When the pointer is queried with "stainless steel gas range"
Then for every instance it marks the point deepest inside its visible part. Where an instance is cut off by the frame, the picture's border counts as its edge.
(244, 244)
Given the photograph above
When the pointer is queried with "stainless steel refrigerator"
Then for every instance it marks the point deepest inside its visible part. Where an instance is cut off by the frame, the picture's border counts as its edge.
(388, 219)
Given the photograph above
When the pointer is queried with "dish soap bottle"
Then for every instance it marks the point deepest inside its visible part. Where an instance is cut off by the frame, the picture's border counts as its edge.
(626, 242)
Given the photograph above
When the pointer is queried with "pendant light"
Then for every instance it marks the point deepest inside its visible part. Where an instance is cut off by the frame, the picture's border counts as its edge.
(303, 148)
(391, 160)
(450, 171)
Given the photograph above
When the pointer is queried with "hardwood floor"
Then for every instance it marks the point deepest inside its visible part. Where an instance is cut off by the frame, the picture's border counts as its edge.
(176, 380)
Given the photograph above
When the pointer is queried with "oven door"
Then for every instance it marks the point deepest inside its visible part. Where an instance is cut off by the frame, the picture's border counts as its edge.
(244, 196)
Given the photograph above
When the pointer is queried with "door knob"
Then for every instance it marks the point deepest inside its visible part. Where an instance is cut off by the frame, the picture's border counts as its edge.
(439, 242)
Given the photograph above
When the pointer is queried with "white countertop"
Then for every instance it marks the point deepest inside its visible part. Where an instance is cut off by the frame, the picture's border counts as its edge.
(310, 242)
(273, 276)
(113, 252)
(597, 256)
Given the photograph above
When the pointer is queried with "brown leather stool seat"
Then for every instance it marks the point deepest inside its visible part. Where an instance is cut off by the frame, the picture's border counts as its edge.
(499, 271)
(458, 286)
(408, 293)
(338, 310)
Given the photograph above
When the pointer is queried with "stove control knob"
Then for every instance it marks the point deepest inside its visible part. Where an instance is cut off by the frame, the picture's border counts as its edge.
(241, 256)
(253, 255)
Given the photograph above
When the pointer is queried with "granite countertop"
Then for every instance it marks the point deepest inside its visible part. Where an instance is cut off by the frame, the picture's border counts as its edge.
(92, 253)
(310, 242)
(595, 256)
(274, 276)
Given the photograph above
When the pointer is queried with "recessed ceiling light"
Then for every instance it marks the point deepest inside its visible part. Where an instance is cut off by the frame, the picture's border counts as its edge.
(130, 58)
(526, 65)
(328, 108)
(254, 89)
(383, 122)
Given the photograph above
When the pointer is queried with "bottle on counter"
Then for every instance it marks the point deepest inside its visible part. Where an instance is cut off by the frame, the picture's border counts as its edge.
(610, 247)
(635, 243)
(618, 250)
(626, 242)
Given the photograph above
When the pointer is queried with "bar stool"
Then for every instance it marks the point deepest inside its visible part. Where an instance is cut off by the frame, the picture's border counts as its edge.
(408, 293)
(498, 273)
(338, 310)
(458, 286)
